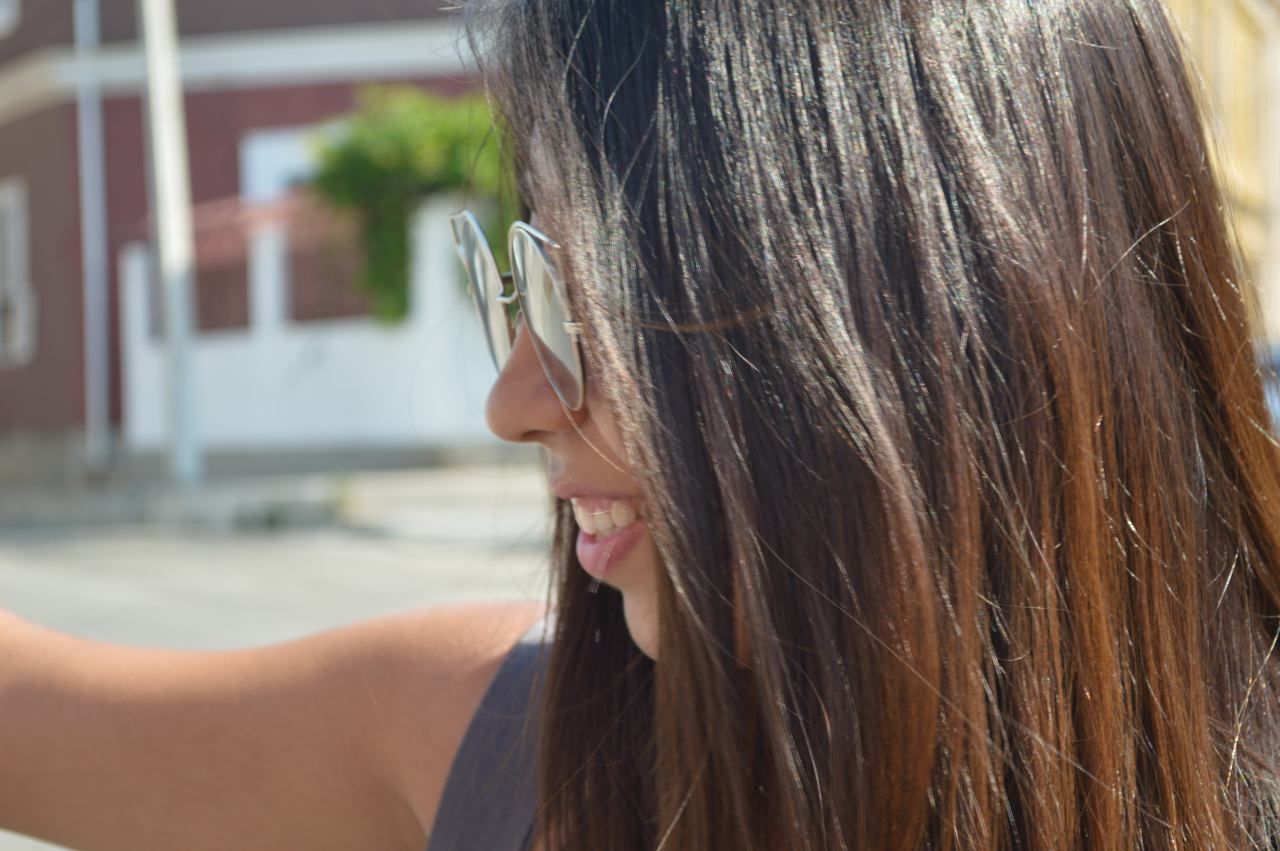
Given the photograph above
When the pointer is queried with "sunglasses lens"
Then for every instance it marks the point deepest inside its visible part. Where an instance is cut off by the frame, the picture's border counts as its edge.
(485, 285)
(547, 317)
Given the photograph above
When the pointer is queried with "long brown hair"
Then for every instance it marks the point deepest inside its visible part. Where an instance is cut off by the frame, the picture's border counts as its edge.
(929, 342)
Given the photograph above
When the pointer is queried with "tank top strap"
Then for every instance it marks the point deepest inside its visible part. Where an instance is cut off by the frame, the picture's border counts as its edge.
(490, 793)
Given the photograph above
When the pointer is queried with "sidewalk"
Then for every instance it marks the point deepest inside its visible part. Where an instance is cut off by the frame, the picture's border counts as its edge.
(255, 561)
(246, 503)
(398, 541)
(444, 502)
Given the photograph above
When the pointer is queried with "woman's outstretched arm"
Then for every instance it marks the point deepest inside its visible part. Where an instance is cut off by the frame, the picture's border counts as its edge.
(338, 741)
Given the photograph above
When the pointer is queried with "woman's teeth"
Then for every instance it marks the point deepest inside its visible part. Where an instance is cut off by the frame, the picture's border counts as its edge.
(605, 516)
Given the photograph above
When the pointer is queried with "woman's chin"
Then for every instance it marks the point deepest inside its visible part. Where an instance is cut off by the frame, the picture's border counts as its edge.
(640, 608)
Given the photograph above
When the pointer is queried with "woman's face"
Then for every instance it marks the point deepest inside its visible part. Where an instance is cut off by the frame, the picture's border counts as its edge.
(586, 464)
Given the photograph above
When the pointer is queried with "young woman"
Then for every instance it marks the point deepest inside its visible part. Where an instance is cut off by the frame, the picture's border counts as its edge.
(914, 484)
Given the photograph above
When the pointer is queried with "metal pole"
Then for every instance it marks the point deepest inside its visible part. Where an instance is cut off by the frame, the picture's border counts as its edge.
(93, 241)
(171, 212)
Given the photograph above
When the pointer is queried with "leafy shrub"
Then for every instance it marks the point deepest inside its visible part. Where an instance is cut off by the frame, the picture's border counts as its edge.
(401, 146)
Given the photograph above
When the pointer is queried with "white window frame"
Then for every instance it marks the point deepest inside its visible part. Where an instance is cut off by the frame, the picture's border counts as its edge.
(10, 17)
(17, 296)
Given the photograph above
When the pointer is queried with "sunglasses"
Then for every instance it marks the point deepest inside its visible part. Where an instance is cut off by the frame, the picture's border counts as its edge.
(531, 295)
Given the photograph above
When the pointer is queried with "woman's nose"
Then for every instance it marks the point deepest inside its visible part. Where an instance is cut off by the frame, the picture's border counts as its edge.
(523, 406)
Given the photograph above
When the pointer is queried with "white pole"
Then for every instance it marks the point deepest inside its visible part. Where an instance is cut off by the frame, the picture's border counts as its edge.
(171, 212)
(93, 242)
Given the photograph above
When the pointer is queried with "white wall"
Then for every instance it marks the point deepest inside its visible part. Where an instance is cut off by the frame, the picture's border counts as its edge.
(357, 383)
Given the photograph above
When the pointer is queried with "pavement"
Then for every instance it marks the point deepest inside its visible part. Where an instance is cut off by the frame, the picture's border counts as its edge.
(253, 561)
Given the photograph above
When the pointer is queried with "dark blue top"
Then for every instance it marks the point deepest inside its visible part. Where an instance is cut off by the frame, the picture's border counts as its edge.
(489, 796)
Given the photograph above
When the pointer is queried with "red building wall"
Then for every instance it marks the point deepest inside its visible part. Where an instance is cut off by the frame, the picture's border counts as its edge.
(43, 23)
(47, 395)
(208, 17)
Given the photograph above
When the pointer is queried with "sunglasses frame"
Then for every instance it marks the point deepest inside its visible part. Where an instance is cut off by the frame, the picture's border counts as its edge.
(513, 290)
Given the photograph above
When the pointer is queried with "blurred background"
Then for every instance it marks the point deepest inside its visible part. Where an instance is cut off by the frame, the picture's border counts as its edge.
(307, 448)
(241, 384)
(1234, 45)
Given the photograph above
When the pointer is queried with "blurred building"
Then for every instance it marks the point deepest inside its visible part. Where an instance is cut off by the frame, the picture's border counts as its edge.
(1236, 50)
(262, 78)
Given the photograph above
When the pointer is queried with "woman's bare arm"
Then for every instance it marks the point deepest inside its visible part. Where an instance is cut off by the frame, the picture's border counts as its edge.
(338, 741)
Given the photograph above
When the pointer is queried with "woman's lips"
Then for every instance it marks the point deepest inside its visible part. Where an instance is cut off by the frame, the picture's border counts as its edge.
(599, 554)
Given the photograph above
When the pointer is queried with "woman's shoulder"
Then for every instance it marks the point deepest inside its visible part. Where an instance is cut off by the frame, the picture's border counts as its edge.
(489, 798)
(445, 661)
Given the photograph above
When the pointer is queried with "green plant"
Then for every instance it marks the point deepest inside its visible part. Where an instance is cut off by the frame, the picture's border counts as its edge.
(402, 145)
